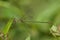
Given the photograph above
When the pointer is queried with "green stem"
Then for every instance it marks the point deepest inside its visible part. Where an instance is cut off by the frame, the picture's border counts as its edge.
(7, 27)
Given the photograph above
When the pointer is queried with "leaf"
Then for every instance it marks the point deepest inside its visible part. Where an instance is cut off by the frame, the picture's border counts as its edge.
(9, 11)
(28, 38)
(7, 27)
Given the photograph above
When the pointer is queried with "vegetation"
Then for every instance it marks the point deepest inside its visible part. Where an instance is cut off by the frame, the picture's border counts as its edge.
(29, 19)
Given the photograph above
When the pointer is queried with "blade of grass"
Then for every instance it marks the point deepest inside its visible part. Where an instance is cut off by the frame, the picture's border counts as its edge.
(7, 27)
(28, 38)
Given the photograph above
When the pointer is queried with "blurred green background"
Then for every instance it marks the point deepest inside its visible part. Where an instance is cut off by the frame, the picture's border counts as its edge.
(29, 19)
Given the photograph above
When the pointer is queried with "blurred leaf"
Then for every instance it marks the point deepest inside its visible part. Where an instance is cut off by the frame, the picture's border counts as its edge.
(9, 11)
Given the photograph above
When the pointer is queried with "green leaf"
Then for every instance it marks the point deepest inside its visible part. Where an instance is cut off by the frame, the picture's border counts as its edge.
(7, 27)
(9, 11)
(28, 38)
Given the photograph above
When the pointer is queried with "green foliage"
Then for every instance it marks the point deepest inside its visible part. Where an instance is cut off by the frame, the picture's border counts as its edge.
(7, 27)
(29, 19)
